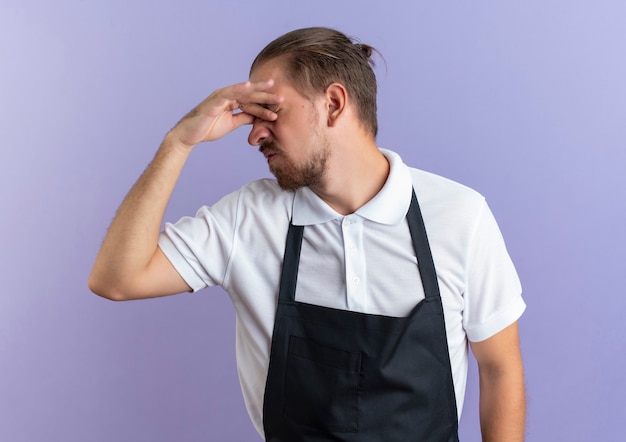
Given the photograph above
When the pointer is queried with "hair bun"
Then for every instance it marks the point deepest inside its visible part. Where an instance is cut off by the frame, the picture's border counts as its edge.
(365, 49)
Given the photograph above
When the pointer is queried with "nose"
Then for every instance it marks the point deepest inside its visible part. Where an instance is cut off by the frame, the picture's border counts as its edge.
(259, 132)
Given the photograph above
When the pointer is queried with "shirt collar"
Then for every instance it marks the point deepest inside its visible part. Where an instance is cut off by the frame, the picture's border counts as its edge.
(389, 206)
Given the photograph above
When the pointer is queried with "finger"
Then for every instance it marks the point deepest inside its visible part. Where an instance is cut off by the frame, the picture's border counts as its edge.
(258, 111)
(245, 88)
(252, 92)
(226, 97)
(231, 97)
(262, 98)
(241, 119)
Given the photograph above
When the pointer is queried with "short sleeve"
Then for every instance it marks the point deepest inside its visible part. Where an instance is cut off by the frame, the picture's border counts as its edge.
(493, 298)
(200, 247)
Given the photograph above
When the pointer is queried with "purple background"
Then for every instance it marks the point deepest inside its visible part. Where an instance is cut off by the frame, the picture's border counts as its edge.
(524, 102)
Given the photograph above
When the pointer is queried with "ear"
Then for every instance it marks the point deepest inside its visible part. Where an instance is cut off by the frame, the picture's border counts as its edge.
(336, 101)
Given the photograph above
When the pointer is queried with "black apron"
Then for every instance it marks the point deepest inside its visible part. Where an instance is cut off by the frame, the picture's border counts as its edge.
(337, 375)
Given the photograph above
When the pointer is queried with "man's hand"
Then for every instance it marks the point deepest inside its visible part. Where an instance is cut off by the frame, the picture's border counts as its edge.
(130, 264)
(218, 114)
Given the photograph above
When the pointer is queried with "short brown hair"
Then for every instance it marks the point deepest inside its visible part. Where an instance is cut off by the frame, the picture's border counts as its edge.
(317, 57)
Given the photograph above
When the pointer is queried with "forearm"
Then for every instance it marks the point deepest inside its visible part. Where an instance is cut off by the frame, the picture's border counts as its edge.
(502, 406)
(131, 240)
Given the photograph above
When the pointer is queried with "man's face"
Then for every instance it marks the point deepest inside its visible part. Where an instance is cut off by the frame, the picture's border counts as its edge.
(294, 145)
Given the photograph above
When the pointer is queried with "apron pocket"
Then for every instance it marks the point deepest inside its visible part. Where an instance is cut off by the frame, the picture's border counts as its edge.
(321, 386)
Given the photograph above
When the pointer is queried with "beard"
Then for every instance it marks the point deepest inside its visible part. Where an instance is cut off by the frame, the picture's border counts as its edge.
(291, 176)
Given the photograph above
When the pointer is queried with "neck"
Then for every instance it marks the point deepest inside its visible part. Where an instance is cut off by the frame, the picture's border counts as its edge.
(355, 174)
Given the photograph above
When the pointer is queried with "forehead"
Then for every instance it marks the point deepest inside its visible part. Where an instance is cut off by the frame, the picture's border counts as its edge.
(275, 69)
(271, 69)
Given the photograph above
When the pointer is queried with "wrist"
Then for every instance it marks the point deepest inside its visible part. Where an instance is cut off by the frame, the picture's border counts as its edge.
(173, 143)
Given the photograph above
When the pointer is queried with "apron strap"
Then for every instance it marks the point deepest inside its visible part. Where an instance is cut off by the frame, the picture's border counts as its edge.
(291, 261)
(425, 261)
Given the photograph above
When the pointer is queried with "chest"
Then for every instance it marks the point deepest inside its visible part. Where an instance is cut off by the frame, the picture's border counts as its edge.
(348, 265)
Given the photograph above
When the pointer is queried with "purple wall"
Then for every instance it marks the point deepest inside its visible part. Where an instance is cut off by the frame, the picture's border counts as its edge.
(523, 102)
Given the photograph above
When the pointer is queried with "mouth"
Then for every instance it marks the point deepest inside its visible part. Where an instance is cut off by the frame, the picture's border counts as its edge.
(268, 153)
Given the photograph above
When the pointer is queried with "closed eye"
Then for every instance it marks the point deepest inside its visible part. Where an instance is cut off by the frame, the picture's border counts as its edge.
(270, 107)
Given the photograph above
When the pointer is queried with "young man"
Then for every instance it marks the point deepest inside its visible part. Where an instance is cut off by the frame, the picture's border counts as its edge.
(357, 281)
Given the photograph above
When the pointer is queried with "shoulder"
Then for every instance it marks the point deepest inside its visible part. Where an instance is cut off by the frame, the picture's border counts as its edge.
(430, 188)
(262, 184)
(260, 194)
(261, 201)
(441, 187)
(442, 197)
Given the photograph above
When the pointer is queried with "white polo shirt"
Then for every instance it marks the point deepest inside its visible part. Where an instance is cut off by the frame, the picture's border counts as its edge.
(363, 262)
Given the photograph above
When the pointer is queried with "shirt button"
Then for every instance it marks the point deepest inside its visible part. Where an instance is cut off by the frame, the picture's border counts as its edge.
(356, 280)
